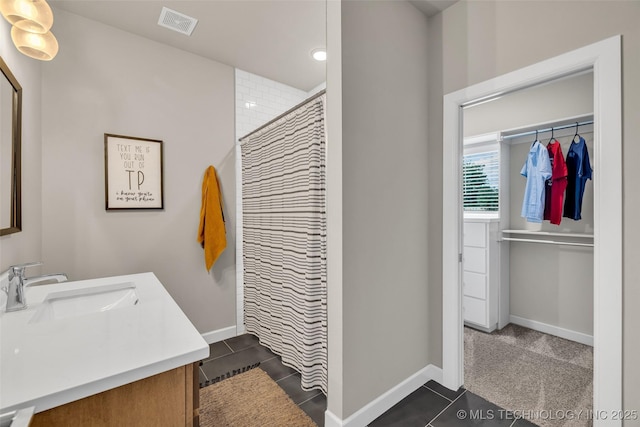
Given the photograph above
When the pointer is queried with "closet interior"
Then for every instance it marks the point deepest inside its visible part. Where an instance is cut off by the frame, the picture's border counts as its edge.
(528, 271)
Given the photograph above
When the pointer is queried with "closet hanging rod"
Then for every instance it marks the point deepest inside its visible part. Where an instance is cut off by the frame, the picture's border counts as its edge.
(549, 129)
(549, 233)
(289, 111)
(549, 242)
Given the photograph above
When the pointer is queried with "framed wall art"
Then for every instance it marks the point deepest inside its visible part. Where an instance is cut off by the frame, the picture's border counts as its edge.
(133, 173)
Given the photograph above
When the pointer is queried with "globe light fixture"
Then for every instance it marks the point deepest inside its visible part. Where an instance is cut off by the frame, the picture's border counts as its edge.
(30, 15)
(38, 46)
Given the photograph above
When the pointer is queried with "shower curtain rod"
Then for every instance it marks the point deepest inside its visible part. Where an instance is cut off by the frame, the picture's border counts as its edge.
(554, 128)
(290, 110)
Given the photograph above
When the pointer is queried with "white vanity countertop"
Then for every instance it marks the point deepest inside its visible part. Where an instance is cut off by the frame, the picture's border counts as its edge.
(51, 363)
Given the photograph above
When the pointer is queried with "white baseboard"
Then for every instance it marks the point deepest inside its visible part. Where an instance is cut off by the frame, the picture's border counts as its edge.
(219, 334)
(331, 420)
(241, 329)
(384, 402)
(553, 330)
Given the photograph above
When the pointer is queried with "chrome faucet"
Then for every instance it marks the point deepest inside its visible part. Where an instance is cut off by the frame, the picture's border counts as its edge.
(17, 282)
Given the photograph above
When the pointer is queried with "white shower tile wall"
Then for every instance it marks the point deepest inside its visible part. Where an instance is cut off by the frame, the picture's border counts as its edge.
(258, 100)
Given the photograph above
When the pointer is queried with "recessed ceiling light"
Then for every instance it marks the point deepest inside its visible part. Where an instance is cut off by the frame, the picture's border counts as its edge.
(319, 54)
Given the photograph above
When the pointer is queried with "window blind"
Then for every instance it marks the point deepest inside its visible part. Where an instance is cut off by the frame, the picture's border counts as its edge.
(481, 182)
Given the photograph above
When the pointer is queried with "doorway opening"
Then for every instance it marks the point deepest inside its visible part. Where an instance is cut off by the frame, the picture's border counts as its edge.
(604, 60)
(527, 283)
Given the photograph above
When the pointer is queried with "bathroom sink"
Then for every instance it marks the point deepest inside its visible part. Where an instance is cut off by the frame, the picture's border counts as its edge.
(80, 302)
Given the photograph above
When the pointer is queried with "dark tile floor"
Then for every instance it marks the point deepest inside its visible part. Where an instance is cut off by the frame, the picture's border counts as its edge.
(432, 405)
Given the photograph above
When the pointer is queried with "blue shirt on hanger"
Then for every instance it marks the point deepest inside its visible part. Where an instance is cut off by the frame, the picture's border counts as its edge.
(579, 169)
(537, 169)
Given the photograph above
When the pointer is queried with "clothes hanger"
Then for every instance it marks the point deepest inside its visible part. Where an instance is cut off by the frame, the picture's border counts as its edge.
(574, 136)
(552, 138)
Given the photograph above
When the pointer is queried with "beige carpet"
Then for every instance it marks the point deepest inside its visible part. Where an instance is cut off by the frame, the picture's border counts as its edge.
(549, 378)
(247, 400)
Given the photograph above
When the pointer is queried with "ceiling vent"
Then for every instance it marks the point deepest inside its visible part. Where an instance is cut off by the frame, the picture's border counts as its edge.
(177, 21)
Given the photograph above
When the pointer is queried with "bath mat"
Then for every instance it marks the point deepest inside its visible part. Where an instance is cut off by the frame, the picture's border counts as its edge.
(228, 374)
(249, 399)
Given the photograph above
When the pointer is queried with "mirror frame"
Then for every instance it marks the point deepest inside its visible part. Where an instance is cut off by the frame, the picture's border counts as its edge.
(16, 162)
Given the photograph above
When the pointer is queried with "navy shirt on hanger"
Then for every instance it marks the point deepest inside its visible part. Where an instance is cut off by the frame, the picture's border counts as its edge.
(579, 169)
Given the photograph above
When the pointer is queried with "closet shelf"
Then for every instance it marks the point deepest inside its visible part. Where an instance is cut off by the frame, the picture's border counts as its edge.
(548, 233)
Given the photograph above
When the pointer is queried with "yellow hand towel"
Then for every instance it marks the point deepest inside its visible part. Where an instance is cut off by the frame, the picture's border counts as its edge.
(211, 232)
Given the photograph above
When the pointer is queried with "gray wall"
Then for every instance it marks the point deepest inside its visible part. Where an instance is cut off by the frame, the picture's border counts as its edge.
(105, 80)
(335, 285)
(486, 39)
(385, 198)
(26, 245)
(434, 169)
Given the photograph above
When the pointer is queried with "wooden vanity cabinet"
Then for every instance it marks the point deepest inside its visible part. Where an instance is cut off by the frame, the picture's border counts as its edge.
(167, 399)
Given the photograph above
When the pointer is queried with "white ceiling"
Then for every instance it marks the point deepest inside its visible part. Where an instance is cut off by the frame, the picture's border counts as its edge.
(272, 38)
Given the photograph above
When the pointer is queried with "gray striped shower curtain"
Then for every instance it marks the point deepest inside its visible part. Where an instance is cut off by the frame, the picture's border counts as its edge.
(284, 240)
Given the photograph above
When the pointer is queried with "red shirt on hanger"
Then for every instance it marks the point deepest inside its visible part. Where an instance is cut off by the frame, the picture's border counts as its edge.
(554, 190)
